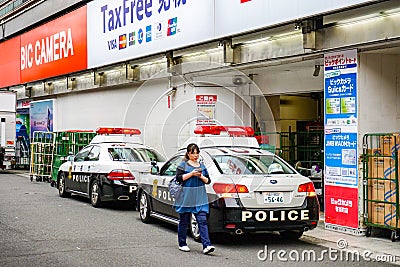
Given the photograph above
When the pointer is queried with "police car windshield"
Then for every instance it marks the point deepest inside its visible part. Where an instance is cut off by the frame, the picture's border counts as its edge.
(252, 164)
(134, 154)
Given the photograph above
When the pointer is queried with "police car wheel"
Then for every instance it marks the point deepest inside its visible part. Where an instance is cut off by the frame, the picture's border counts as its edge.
(369, 231)
(194, 229)
(144, 208)
(95, 194)
(61, 186)
(291, 234)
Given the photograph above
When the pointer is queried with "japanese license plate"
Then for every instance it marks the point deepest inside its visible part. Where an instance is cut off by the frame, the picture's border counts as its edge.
(273, 197)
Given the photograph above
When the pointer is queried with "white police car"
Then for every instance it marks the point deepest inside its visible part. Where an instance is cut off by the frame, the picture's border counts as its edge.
(251, 190)
(106, 169)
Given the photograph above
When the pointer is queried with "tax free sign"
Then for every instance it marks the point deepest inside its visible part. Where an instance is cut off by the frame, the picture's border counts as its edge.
(124, 29)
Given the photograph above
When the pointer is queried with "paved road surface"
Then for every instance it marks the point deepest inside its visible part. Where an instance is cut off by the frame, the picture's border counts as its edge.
(38, 228)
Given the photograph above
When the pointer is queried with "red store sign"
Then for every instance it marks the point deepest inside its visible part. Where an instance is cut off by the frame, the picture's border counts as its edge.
(56, 48)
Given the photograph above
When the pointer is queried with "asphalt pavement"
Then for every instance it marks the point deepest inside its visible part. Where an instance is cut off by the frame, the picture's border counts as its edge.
(378, 246)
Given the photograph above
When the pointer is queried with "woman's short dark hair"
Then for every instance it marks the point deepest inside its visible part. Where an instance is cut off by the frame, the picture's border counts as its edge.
(190, 149)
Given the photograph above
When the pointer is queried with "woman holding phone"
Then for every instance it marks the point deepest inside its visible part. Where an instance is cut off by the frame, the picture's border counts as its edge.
(193, 175)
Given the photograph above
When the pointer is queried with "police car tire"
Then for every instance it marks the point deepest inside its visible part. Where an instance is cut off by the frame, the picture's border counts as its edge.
(61, 186)
(144, 208)
(292, 235)
(194, 228)
(369, 231)
(95, 194)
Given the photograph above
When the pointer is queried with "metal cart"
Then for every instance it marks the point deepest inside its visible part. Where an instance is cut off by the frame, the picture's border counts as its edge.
(41, 156)
(68, 143)
(380, 182)
(22, 153)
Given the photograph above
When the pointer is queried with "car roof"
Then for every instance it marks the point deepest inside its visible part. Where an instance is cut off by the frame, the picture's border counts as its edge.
(236, 151)
(222, 141)
(116, 138)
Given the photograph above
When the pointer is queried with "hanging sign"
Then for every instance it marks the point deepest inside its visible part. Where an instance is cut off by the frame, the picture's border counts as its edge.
(206, 109)
(341, 132)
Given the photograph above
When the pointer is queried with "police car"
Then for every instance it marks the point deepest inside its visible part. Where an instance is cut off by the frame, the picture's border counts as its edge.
(106, 169)
(251, 190)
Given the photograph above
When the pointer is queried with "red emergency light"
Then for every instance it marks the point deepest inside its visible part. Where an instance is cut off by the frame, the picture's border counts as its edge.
(127, 131)
(231, 130)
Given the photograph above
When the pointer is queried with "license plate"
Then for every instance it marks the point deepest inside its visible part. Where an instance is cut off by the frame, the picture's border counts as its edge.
(273, 197)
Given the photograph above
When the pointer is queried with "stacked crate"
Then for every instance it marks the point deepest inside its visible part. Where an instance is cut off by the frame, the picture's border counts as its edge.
(68, 143)
(41, 156)
(381, 180)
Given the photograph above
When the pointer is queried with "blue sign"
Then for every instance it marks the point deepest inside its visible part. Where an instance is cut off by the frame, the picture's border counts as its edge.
(340, 97)
(148, 33)
(341, 118)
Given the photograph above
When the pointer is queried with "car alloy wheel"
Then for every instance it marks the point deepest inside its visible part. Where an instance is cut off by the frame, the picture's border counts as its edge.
(194, 228)
(61, 186)
(95, 194)
(144, 208)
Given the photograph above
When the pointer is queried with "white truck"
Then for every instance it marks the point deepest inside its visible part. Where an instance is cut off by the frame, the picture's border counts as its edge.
(7, 129)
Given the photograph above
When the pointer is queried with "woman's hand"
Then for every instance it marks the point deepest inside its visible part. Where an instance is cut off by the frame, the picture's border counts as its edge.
(204, 179)
(196, 172)
(191, 174)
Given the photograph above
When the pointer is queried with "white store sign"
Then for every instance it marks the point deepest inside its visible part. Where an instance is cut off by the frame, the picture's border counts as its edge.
(127, 29)
(121, 30)
(238, 16)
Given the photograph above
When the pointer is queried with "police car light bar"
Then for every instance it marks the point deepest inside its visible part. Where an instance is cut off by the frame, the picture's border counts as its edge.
(231, 130)
(127, 131)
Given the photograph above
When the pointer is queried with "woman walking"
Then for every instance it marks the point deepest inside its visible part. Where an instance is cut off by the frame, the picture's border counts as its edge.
(193, 175)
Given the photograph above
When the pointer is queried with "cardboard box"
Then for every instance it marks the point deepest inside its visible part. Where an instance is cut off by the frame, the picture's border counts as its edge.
(389, 143)
(371, 154)
(377, 213)
(383, 214)
(374, 152)
(382, 167)
(382, 190)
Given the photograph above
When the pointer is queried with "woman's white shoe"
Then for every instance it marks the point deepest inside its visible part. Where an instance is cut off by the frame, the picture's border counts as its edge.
(184, 248)
(208, 249)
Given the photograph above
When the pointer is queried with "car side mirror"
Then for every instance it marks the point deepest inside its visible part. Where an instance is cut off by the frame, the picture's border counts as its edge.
(154, 168)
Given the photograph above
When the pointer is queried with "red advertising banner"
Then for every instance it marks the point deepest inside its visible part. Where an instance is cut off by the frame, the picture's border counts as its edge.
(56, 48)
(341, 206)
(9, 62)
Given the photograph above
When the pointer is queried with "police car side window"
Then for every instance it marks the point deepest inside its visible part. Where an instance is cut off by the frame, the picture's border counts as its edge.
(83, 154)
(152, 155)
(94, 154)
(170, 168)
